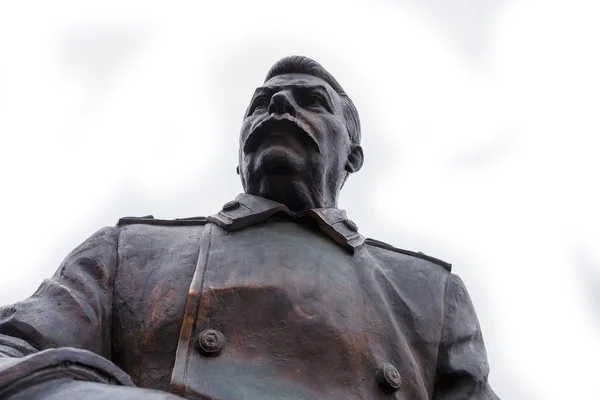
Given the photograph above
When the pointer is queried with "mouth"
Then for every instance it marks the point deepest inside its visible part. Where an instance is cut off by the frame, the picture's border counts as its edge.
(276, 124)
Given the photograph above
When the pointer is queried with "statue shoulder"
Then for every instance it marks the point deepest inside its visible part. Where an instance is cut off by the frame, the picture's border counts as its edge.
(382, 245)
(150, 220)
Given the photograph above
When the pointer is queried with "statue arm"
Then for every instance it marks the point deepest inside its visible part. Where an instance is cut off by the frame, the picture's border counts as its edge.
(58, 340)
(73, 308)
(462, 370)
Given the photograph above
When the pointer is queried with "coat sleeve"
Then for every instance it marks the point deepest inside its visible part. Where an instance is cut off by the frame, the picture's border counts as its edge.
(65, 325)
(462, 370)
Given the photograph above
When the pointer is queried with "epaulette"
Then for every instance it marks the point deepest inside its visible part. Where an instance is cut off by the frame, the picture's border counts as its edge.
(383, 245)
(150, 220)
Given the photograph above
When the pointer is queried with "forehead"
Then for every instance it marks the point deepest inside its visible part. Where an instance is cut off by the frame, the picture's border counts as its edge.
(297, 80)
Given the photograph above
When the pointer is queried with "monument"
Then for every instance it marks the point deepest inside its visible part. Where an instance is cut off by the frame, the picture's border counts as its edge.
(276, 296)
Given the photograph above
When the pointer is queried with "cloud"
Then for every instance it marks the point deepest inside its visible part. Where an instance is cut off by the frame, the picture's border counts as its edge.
(588, 272)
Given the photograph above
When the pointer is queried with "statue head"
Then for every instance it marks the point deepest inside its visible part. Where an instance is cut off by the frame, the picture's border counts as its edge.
(300, 139)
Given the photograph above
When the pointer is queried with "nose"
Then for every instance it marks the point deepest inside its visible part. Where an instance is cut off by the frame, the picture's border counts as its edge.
(282, 103)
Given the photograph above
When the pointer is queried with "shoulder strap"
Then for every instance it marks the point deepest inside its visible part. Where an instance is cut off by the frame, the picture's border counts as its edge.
(383, 245)
(150, 220)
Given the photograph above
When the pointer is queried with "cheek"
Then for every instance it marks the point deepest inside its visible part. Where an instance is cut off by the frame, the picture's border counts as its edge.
(318, 125)
(245, 130)
(335, 134)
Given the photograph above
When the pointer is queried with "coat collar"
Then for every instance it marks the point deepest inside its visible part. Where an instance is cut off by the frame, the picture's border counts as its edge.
(247, 210)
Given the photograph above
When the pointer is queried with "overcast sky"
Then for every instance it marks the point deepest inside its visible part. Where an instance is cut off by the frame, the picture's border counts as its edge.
(480, 129)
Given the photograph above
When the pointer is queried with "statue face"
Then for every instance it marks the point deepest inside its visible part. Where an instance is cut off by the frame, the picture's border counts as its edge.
(294, 138)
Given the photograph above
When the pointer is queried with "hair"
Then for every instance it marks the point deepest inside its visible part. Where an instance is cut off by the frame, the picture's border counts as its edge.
(305, 65)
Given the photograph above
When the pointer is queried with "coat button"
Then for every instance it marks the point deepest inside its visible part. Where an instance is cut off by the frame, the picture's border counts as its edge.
(388, 378)
(231, 205)
(210, 342)
(351, 225)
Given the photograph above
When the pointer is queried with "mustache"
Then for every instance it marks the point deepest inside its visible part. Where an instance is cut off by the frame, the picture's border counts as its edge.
(282, 122)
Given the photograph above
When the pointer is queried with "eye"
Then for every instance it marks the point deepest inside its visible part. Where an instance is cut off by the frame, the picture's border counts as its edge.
(260, 102)
(314, 100)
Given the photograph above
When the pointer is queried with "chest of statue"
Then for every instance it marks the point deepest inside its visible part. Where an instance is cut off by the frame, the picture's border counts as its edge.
(284, 309)
(275, 310)
(281, 277)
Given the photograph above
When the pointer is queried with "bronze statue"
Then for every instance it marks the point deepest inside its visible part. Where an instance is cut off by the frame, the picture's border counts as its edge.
(276, 296)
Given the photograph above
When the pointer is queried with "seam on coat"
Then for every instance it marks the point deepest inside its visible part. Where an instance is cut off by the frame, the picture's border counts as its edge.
(195, 323)
(443, 330)
(112, 291)
(448, 278)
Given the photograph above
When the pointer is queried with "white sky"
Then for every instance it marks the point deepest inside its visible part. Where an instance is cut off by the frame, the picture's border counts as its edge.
(480, 129)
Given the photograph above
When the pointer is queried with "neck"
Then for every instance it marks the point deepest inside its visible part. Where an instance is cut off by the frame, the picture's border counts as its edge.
(293, 193)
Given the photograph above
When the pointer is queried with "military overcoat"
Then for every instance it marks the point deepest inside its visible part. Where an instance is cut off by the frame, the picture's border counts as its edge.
(254, 302)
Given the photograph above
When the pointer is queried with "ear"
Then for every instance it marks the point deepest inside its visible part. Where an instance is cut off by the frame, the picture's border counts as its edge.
(237, 170)
(355, 159)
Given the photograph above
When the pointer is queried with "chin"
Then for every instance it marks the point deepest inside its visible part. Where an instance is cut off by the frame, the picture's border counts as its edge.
(279, 160)
(281, 174)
